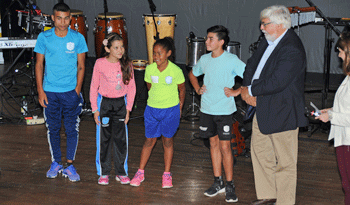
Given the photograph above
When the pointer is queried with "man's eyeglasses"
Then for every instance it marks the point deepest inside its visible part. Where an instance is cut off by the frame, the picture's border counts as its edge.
(265, 24)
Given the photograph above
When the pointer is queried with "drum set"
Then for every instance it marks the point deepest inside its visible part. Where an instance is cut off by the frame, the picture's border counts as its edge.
(42, 22)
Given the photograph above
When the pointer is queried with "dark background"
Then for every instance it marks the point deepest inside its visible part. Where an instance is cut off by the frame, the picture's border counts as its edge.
(241, 17)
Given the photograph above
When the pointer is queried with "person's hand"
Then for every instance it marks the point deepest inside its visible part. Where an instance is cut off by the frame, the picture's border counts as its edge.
(251, 101)
(245, 93)
(324, 117)
(230, 92)
(43, 99)
(325, 110)
(96, 115)
(77, 91)
(127, 117)
(181, 106)
(201, 90)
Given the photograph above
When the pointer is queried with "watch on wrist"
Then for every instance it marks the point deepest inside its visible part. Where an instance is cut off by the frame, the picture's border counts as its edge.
(330, 114)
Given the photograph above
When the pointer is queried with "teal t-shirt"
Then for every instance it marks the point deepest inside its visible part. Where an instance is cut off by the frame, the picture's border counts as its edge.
(61, 57)
(164, 92)
(219, 72)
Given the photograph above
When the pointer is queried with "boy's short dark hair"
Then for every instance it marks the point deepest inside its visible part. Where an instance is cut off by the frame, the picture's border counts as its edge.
(222, 34)
(60, 7)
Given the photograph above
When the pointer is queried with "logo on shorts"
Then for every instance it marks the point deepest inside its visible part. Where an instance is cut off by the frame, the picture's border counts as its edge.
(105, 121)
(168, 79)
(203, 128)
(226, 128)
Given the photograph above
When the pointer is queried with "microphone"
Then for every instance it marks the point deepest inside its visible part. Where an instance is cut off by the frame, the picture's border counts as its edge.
(254, 45)
(192, 35)
(152, 6)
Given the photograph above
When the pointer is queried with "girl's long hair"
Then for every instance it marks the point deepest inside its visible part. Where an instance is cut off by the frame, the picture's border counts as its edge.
(125, 61)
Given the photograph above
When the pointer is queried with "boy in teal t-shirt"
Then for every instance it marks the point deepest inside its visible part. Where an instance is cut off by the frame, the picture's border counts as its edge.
(217, 106)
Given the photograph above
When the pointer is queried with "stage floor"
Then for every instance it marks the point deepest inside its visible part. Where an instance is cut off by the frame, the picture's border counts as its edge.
(25, 159)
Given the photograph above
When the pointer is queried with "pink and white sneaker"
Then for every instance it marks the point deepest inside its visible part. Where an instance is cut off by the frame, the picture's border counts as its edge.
(122, 179)
(103, 180)
(167, 181)
(138, 178)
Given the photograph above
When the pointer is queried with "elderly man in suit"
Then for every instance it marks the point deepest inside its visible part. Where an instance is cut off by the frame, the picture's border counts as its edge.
(274, 83)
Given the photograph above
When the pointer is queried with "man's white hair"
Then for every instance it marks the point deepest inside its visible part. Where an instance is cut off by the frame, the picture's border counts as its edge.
(277, 14)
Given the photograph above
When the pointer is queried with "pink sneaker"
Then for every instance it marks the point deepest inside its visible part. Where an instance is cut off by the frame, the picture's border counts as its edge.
(138, 178)
(167, 181)
(103, 180)
(122, 179)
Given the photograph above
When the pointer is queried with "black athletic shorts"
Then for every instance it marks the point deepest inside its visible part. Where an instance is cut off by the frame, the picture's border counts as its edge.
(212, 125)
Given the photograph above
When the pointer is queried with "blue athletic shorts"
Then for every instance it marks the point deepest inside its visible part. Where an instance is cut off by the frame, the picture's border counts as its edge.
(163, 121)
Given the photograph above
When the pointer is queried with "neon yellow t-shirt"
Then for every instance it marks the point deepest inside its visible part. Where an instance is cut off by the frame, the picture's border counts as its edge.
(164, 92)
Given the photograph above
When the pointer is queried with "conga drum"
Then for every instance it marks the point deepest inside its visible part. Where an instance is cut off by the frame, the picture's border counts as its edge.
(78, 22)
(115, 23)
(234, 47)
(165, 26)
(141, 87)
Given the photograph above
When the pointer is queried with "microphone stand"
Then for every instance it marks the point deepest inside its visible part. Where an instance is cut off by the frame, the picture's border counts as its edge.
(324, 17)
(326, 63)
(31, 12)
(153, 9)
(32, 62)
(327, 52)
(105, 12)
(254, 46)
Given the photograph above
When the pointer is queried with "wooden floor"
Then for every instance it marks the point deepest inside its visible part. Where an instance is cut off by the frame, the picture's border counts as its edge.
(25, 159)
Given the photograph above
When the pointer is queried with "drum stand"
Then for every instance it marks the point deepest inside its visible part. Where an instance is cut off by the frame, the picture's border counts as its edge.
(6, 90)
(193, 109)
(195, 49)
